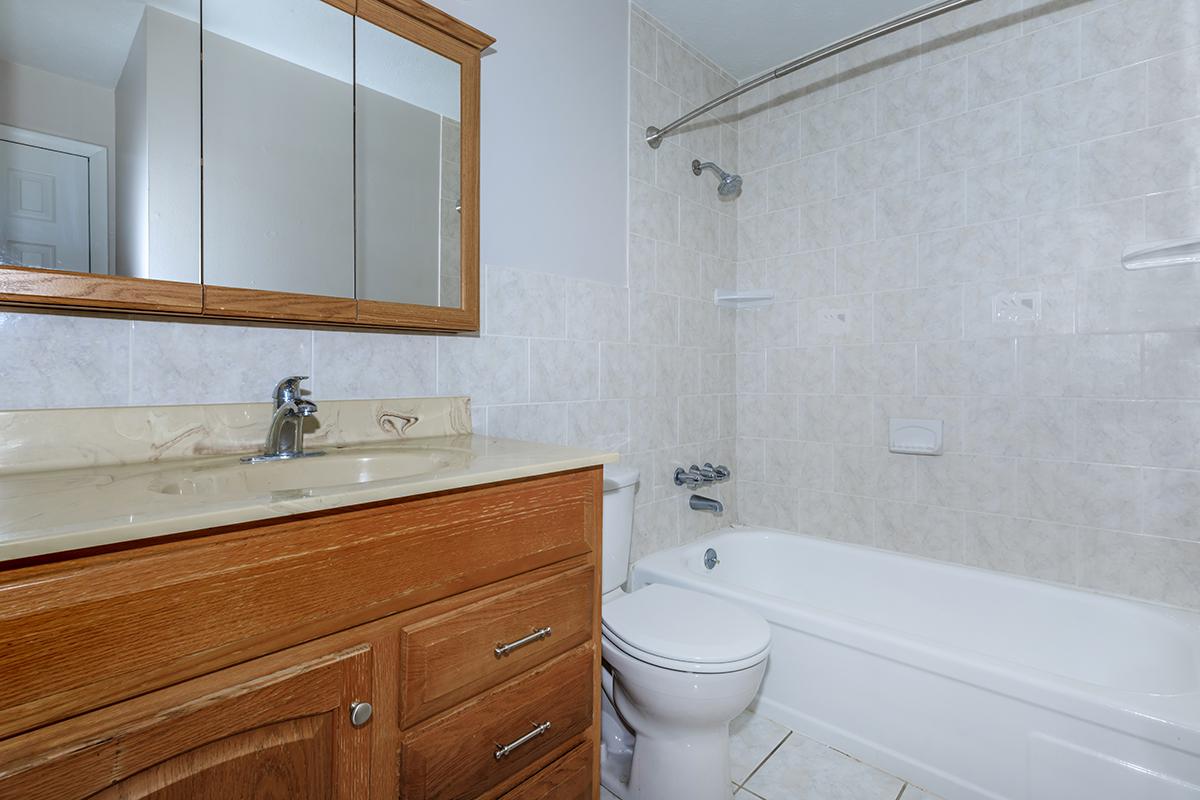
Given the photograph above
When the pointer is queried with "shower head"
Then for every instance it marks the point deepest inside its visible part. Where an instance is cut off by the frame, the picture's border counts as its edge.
(730, 185)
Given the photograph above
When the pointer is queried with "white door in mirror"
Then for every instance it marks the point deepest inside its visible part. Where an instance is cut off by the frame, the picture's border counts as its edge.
(43, 208)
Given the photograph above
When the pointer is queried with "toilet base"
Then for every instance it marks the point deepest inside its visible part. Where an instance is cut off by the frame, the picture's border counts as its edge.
(699, 764)
(683, 755)
(616, 745)
(703, 777)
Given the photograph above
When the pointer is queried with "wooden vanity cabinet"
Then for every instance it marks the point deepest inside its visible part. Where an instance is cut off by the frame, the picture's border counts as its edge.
(226, 665)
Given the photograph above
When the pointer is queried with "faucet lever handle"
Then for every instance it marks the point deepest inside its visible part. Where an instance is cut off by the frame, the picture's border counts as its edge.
(306, 408)
(720, 471)
(288, 389)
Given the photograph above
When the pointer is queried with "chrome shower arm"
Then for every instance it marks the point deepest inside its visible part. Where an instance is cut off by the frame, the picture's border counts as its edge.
(654, 136)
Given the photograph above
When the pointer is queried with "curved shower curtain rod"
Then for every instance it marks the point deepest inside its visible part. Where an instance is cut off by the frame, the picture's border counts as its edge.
(654, 136)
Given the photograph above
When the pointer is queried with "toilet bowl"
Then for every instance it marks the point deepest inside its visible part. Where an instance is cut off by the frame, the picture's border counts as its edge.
(679, 666)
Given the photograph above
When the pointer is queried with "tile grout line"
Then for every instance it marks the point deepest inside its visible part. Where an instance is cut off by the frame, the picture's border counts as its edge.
(767, 758)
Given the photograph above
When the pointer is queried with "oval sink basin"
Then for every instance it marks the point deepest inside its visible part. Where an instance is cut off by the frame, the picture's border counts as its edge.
(331, 470)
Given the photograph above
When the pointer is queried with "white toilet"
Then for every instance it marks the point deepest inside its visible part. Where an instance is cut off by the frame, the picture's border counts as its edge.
(679, 666)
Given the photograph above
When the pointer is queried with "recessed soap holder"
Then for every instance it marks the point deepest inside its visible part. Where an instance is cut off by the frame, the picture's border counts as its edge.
(1017, 307)
(918, 437)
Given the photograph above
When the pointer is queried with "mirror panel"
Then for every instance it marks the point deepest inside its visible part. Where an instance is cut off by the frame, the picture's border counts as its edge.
(207, 158)
(279, 146)
(408, 109)
(100, 137)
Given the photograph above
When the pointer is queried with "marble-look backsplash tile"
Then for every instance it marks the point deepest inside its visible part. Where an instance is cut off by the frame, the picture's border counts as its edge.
(54, 361)
(882, 161)
(969, 29)
(232, 362)
(930, 94)
(363, 366)
(1078, 239)
(1129, 32)
(984, 136)
(43, 439)
(1042, 550)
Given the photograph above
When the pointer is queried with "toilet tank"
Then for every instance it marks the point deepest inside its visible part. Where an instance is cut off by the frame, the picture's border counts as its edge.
(620, 483)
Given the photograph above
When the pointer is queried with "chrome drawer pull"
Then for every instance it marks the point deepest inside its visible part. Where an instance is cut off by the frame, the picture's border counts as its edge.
(504, 749)
(504, 649)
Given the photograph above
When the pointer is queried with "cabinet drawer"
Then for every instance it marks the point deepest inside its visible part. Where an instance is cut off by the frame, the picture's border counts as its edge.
(454, 755)
(453, 656)
(568, 778)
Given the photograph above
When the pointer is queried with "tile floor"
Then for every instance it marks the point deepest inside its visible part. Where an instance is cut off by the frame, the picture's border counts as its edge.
(771, 762)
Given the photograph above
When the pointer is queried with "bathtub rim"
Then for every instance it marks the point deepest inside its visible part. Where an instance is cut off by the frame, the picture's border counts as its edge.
(1170, 720)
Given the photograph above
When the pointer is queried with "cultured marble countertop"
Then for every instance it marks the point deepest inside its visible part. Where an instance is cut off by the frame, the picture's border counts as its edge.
(52, 511)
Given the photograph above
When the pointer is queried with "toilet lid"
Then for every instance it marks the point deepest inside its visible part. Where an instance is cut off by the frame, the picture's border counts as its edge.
(685, 626)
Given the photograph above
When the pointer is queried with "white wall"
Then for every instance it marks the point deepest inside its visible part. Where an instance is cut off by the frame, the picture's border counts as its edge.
(278, 171)
(173, 121)
(398, 199)
(553, 138)
(132, 210)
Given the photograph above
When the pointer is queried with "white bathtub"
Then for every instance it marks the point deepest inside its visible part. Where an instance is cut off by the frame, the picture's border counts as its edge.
(969, 683)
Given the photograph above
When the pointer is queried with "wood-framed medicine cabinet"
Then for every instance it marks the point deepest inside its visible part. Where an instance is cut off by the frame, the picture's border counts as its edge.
(308, 161)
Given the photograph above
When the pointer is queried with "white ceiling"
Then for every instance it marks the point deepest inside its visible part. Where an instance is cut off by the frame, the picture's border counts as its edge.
(83, 39)
(89, 40)
(746, 37)
(395, 66)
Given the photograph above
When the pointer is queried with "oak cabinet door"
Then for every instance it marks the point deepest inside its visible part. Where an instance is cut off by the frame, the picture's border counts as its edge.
(281, 734)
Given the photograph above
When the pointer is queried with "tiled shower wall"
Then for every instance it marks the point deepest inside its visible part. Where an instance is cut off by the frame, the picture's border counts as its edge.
(683, 246)
(647, 369)
(905, 203)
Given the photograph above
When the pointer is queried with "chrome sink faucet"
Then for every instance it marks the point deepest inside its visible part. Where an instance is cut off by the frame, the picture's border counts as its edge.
(285, 436)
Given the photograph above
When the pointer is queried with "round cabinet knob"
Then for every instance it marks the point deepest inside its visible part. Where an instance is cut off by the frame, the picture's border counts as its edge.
(360, 714)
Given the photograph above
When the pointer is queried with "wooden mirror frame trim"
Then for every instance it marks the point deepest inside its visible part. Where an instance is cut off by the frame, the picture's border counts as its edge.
(414, 20)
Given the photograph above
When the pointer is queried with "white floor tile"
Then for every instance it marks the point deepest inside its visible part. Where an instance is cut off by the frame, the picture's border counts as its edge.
(752, 737)
(802, 768)
(913, 793)
(605, 794)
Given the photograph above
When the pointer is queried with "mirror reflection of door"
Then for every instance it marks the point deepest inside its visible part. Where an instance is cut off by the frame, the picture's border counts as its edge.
(44, 213)
(100, 136)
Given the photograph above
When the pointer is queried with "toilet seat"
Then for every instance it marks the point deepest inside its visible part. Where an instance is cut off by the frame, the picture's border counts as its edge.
(685, 631)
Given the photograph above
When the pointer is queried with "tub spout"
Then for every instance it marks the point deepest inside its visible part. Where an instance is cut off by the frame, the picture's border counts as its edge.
(698, 503)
